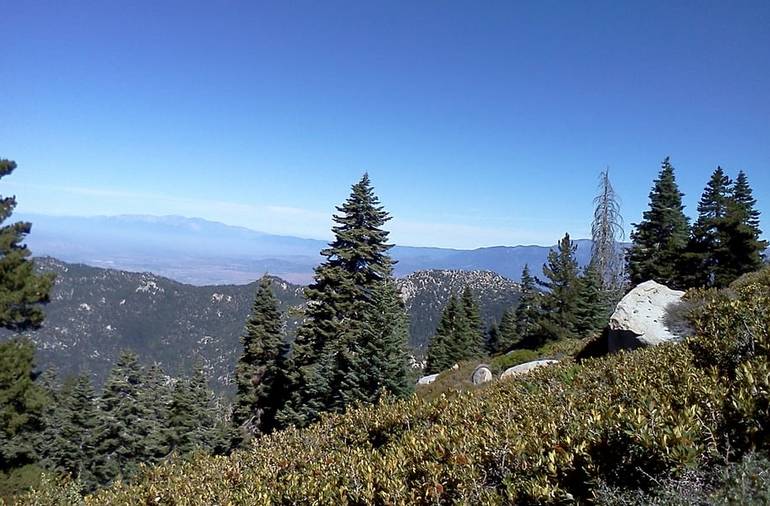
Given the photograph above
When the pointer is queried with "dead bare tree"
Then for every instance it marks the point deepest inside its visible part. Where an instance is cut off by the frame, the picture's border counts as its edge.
(607, 234)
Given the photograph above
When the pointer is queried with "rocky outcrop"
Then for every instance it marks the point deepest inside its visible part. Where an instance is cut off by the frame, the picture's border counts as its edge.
(642, 318)
(427, 380)
(481, 374)
(525, 367)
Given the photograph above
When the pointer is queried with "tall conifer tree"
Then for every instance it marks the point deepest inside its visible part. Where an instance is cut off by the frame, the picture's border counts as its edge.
(119, 433)
(705, 249)
(742, 249)
(440, 355)
(660, 240)
(529, 310)
(68, 443)
(327, 357)
(22, 403)
(154, 398)
(258, 374)
(21, 289)
(508, 332)
(473, 338)
(592, 310)
(560, 301)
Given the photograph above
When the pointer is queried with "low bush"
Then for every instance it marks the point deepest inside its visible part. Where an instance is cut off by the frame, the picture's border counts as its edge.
(558, 434)
(746, 481)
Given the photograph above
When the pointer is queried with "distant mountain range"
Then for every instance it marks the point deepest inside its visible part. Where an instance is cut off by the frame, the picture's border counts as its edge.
(95, 313)
(201, 252)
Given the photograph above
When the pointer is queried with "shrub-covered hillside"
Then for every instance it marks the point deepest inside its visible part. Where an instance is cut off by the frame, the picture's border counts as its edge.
(560, 434)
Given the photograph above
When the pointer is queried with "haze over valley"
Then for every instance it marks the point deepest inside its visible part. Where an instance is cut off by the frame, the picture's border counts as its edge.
(201, 252)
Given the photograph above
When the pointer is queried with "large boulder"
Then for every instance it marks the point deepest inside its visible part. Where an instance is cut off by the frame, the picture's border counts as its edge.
(642, 318)
(525, 367)
(427, 380)
(481, 374)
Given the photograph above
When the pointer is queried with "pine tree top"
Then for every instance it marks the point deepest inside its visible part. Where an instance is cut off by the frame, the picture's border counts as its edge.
(360, 244)
(713, 202)
(743, 197)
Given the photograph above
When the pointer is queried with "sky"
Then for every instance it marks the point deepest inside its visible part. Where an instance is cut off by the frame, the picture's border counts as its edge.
(479, 123)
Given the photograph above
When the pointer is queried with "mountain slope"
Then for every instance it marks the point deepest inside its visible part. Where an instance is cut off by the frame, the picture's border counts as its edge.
(425, 293)
(95, 313)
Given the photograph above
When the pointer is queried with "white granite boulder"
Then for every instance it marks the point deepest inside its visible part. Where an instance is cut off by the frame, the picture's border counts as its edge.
(525, 368)
(427, 380)
(481, 374)
(641, 318)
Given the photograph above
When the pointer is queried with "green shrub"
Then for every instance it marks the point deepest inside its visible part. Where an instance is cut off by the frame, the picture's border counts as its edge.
(558, 434)
(744, 482)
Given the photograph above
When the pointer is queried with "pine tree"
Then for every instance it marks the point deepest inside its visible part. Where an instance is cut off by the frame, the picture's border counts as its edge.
(704, 250)
(386, 356)
(440, 356)
(473, 339)
(606, 233)
(560, 302)
(22, 403)
(742, 249)
(118, 437)
(327, 356)
(592, 310)
(508, 331)
(529, 310)
(492, 343)
(67, 446)
(21, 290)
(258, 374)
(660, 240)
(192, 420)
(459, 334)
(154, 399)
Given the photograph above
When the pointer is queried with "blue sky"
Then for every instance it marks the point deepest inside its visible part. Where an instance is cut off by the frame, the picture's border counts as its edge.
(480, 123)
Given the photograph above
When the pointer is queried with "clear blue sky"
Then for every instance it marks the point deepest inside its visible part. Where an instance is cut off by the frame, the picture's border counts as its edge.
(480, 123)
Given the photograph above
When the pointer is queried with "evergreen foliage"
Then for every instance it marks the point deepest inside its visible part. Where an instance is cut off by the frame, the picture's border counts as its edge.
(593, 307)
(660, 240)
(192, 419)
(119, 434)
(21, 290)
(385, 357)
(328, 366)
(459, 334)
(508, 332)
(259, 374)
(472, 342)
(742, 249)
(559, 318)
(22, 403)
(67, 446)
(439, 355)
(529, 311)
(492, 343)
(705, 251)
(154, 398)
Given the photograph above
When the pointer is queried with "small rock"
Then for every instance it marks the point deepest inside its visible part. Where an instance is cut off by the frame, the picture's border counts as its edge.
(427, 380)
(455, 367)
(481, 374)
(525, 367)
